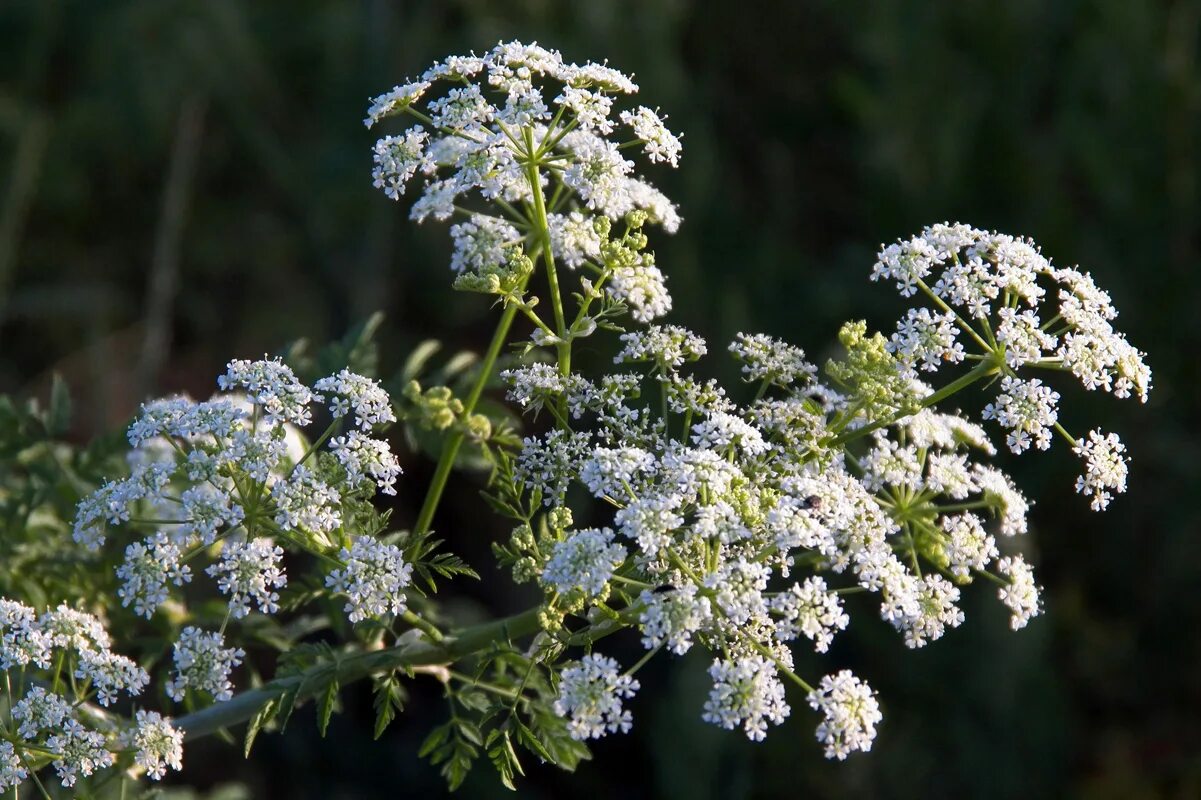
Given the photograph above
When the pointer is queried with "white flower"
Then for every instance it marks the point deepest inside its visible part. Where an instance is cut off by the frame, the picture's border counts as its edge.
(935, 611)
(373, 579)
(968, 547)
(906, 263)
(574, 239)
(207, 509)
(366, 458)
(462, 109)
(77, 630)
(40, 712)
(643, 289)
(738, 588)
(949, 474)
(1028, 409)
(1024, 339)
(305, 502)
(272, 385)
(1021, 596)
(77, 751)
(549, 464)
(969, 284)
(747, 692)
(659, 143)
(810, 609)
(850, 714)
(615, 472)
(584, 561)
(148, 567)
(250, 571)
(398, 99)
(926, 340)
(591, 693)
(667, 346)
(351, 392)
(109, 674)
(721, 429)
(157, 744)
(671, 617)
(890, 464)
(22, 640)
(590, 108)
(1105, 467)
(397, 159)
(203, 664)
(482, 243)
(766, 359)
(998, 488)
(12, 769)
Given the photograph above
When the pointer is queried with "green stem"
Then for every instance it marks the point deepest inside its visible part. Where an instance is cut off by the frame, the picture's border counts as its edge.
(426, 626)
(452, 648)
(451, 447)
(548, 258)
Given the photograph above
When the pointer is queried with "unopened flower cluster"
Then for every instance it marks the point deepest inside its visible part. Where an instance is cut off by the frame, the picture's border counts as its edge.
(58, 667)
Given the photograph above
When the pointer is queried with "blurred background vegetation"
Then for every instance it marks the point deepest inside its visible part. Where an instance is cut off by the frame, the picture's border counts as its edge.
(184, 181)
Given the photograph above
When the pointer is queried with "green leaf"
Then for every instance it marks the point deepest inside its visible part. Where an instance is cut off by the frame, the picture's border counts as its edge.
(326, 708)
(261, 717)
(436, 738)
(389, 701)
(531, 743)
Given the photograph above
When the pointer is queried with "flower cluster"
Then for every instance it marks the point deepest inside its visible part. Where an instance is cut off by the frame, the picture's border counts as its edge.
(236, 475)
(536, 139)
(860, 484)
(65, 657)
(373, 579)
(590, 695)
(1001, 295)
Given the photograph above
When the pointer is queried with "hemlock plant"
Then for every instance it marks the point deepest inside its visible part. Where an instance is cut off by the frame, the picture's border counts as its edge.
(745, 521)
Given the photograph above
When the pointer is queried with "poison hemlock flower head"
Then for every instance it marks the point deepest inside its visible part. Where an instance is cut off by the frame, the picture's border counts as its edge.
(1028, 409)
(850, 714)
(584, 561)
(811, 610)
(373, 579)
(365, 458)
(1105, 467)
(157, 744)
(149, 566)
(76, 751)
(110, 674)
(747, 692)
(590, 696)
(672, 617)
(203, 664)
(22, 640)
(356, 393)
(1021, 596)
(250, 572)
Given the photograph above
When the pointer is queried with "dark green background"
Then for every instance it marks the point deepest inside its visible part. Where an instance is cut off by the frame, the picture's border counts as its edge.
(814, 130)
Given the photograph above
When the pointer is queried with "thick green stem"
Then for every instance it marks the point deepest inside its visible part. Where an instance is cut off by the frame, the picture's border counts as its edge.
(452, 648)
(450, 449)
